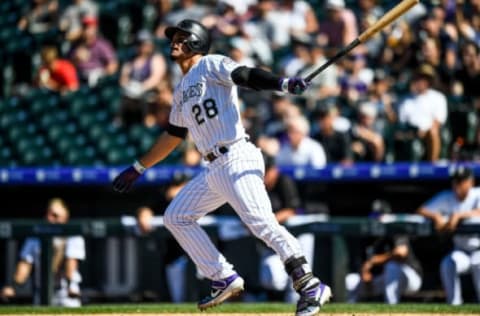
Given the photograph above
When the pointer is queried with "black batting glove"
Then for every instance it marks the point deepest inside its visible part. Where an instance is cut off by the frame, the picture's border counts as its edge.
(294, 85)
(125, 180)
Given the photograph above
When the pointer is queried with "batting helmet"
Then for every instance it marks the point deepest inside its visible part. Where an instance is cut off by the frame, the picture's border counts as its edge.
(199, 39)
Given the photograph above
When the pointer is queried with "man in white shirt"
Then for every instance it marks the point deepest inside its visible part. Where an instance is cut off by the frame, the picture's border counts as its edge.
(446, 210)
(67, 252)
(300, 149)
(425, 109)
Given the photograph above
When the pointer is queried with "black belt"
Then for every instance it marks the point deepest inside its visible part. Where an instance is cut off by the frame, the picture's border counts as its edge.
(211, 155)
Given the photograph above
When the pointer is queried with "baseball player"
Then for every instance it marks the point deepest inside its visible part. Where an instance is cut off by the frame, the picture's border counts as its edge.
(446, 210)
(66, 255)
(206, 105)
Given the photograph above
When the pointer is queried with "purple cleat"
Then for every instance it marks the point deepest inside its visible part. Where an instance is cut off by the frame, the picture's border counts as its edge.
(221, 291)
(313, 298)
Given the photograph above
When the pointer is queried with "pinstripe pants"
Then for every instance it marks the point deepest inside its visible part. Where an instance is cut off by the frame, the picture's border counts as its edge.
(237, 178)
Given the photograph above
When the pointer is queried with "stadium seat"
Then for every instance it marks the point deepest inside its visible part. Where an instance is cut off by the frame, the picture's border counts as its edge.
(36, 156)
(24, 144)
(57, 131)
(79, 156)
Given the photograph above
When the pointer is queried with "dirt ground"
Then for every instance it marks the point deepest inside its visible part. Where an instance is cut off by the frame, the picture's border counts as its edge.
(251, 314)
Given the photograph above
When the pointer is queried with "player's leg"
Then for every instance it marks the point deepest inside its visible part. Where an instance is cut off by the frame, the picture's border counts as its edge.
(242, 183)
(192, 202)
(454, 264)
(399, 279)
(475, 260)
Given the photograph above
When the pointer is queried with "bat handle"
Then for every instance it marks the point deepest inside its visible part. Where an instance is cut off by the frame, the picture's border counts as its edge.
(337, 56)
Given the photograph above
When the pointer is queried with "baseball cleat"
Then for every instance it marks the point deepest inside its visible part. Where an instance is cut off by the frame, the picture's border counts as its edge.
(312, 299)
(221, 291)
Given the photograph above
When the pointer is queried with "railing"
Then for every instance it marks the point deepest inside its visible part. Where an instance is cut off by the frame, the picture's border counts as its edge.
(227, 228)
(163, 174)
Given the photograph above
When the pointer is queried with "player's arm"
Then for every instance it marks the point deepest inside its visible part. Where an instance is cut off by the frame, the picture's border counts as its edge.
(259, 79)
(165, 144)
(375, 260)
(21, 275)
(457, 217)
(436, 217)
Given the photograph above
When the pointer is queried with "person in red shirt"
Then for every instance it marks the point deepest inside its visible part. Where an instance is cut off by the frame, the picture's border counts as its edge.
(56, 74)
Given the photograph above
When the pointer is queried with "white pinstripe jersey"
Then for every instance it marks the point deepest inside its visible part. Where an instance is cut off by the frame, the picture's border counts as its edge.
(205, 101)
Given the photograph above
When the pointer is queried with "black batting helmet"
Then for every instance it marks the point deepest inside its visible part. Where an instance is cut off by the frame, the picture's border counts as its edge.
(199, 39)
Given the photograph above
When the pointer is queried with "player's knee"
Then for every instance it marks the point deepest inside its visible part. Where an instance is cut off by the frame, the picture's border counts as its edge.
(447, 264)
(171, 218)
(475, 259)
(393, 267)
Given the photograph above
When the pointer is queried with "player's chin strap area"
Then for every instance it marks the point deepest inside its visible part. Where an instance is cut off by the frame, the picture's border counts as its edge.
(299, 271)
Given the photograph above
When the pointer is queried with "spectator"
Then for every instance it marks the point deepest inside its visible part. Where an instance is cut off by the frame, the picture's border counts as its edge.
(390, 269)
(368, 13)
(93, 56)
(367, 143)
(291, 19)
(56, 74)
(259, 31)
(325, 84)
(299, 149)
(425, 110)
(340, 25)
(446, 210)
(40, 17)
(335, 143)
(71, 18)
(356, 79)
(469, 73)
(67, 252)
(300, 58)
(286, 203)
(469, 25)
(188, 9)
(140, 79)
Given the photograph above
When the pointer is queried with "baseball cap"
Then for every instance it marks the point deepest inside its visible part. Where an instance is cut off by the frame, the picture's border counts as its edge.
(89, 20)
(368, 109)
(335, 4)
(324, 107)
(461, 173)
(425, 71)
(144, 36)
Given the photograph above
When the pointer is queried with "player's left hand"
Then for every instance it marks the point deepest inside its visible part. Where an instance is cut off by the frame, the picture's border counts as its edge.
(453, 222)
(295, 85)
(125, 180)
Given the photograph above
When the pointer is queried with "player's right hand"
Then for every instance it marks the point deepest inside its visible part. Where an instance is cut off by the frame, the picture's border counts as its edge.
(7, 293)
(297, 85)
(125, 180)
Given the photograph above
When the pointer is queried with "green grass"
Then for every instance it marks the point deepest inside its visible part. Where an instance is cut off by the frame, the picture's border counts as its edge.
(247, 308)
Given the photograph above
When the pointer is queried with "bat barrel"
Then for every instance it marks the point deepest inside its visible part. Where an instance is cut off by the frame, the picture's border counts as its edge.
(388, 18)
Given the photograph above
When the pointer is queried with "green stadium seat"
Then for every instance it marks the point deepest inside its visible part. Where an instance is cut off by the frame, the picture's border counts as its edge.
(120, 156)
(53, 118)
(23, 145)
(57, 131)
(36, 156)
(80, 156)
(69, 142)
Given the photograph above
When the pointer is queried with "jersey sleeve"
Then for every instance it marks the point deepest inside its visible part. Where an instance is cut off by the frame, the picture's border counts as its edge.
(219, 69)
(30, 250)
(75, 248)
(439, 202)
(176, 117)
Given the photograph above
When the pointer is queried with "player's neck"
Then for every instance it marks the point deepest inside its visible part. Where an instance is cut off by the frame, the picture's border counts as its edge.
(187, 64)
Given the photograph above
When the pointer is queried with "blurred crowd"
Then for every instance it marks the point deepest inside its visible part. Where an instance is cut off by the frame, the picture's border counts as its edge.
(409, 94)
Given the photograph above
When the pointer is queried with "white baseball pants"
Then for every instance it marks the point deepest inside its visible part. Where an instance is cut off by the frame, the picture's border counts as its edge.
(453, 265)
(235, 177)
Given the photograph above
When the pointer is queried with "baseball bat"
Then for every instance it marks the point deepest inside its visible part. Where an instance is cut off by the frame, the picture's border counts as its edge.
(388, 18)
